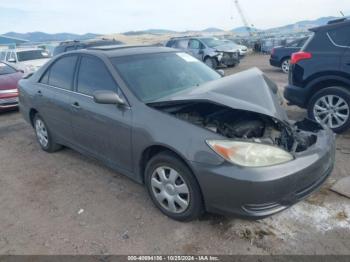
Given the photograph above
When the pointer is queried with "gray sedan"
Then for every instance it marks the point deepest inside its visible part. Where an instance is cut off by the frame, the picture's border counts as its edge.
(198, 141)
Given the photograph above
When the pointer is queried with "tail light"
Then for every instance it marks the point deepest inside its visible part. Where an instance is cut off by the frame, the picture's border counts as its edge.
(297, 57)
(273, 51)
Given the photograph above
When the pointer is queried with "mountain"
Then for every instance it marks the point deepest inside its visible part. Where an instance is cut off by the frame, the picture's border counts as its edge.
(150, 31)
(302, 25)
(244, 30)
(44, 37)
(212, 30)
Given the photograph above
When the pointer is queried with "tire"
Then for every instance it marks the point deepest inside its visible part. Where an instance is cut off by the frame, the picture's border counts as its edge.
(285, 65)
(331, 103)
(211, 62)
(167, 195)
(44, 136)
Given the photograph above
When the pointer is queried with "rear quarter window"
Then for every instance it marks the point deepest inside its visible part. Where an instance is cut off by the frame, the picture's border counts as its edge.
(340, 36)
(319, 42)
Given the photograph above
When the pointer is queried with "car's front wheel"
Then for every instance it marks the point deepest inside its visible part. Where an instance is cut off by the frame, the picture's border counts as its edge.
(43, 135)
(211, 62)
(331, 106)
(285, 65)
(173, 188)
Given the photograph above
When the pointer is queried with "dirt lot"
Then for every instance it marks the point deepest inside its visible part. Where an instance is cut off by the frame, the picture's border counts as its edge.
(65, 203)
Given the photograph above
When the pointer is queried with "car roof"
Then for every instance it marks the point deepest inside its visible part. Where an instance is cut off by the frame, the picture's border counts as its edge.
(126, 50)
(332, 25)
(88, 41)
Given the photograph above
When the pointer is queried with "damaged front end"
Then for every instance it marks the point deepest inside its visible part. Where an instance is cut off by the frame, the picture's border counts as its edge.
(244, 107)
(241, 125)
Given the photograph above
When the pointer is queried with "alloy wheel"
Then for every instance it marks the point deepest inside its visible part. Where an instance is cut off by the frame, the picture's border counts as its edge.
(41, 133)
(170, 189)
(285, 66)
(331, 110)
(209, 62)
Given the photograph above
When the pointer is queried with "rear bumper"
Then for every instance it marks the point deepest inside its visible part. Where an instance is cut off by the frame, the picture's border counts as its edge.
(274, 62)
(261, 192)
(296, 95)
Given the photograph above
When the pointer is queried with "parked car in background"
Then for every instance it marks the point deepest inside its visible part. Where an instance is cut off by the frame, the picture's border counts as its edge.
(26, 59)
(280, 55)
(242, 49)
(9, 77)
(212, 51)
(198, 141)
(319, 77)
(76, 45)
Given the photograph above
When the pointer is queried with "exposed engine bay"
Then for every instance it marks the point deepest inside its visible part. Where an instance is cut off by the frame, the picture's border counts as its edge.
(244, 125)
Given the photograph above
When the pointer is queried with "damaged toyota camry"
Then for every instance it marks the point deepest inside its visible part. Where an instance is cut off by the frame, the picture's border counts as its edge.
(198, 141)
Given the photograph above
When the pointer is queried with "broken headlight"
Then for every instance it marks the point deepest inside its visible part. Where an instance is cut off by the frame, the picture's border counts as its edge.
(250, 154)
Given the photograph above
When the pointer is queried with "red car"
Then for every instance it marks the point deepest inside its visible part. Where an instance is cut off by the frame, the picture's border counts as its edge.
(9, 78)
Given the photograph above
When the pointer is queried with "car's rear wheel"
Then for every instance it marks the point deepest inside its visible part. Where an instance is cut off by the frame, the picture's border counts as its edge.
(285, 65)
(211, 62)
(173, 188)
(331, 106)
(43, 135)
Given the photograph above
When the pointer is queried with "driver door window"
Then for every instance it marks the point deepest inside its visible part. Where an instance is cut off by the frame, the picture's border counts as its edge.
(93, 75)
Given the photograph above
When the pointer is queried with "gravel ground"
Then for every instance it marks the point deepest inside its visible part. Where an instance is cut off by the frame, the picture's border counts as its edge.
(65, 203)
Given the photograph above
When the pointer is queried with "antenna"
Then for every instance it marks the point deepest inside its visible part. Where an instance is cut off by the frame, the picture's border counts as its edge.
(341, 12)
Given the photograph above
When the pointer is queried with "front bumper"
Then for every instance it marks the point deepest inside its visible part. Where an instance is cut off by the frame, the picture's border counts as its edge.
(229, 59)
(296, 95)
(8, 99)
(261, 192)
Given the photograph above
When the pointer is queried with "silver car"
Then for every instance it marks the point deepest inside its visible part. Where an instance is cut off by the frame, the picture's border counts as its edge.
(212, 51)
(197, 141)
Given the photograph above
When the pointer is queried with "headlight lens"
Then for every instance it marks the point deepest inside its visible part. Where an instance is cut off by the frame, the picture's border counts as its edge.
(250, 154)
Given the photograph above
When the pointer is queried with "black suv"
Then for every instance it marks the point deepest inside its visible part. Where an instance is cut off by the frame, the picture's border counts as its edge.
(280, 55)
(76, 44)
(319, 77)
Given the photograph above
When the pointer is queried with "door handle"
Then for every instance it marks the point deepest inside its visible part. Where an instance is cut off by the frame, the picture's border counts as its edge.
(39, 93)
(76, 105)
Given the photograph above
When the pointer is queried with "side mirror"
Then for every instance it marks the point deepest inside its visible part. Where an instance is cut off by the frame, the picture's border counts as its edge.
(11, 60)
(107, 97)
(221, 72)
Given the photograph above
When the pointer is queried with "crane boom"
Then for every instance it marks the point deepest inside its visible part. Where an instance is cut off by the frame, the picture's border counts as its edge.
(244, 19)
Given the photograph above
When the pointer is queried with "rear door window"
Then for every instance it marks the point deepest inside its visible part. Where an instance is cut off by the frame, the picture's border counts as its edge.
(61, 73)
(93, 75)
(340, 36)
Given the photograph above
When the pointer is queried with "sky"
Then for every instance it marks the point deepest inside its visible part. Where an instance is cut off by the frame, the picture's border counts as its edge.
(113, 16)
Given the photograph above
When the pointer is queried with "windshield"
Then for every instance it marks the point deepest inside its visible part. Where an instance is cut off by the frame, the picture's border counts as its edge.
(153, 76)
(213, 42)
(32, 55)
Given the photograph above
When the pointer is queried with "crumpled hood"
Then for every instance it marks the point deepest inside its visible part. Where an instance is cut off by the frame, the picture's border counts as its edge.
(249, 90)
